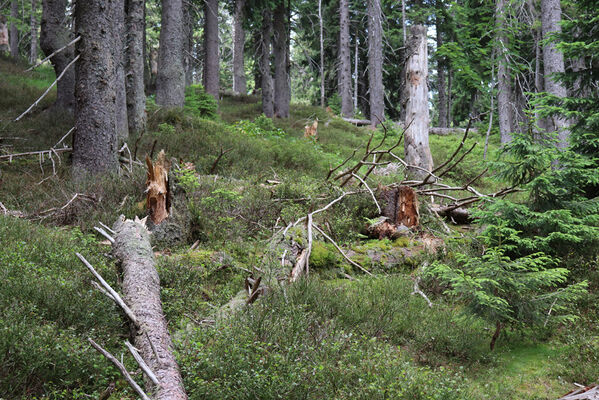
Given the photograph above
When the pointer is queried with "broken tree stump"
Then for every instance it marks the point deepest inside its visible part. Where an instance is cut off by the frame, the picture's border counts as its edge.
(168, 214)
(141, 292)
(399, 209)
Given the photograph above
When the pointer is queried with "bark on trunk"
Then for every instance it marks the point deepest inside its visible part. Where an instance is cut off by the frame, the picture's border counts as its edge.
(170, 74)
(416, 147)
(14, 32)
(211, 59)
(356, 65)
(504, 89)
(136, 98)
(321, 37)
(141, 292)
(266, 79)
(122, 123)
(34, 36)
(239, 82)
(282, 92)
(498, 326)
(189, 16)
(344, 71)
(441, 79)
(95, 138)
(375, 62)
(54, 35)
(553, 62)
(4, 45)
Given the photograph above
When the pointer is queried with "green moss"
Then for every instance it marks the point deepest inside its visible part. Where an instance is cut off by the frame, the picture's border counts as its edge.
(323, 255)
(403, 241)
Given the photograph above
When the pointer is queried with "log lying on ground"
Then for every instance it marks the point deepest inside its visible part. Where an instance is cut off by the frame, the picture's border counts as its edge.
(358, 122)
(459, 215)
(141, 292)
(448, 131)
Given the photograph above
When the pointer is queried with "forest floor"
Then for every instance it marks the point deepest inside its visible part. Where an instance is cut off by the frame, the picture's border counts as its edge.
(325, 337)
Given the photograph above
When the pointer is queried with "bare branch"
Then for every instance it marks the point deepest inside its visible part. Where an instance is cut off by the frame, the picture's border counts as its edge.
(142, 364)
(53, 54)
(352, 262)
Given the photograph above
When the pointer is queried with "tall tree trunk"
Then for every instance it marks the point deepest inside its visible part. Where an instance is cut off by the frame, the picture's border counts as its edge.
(504, 88)
(441, 79)
(54, 35)
(4, 45)
(135, 66)
(281, 102)
(122, 122)
(553, 63)
(95, 139)
(170, 76)
(189, 17)
(320, 23)
(266, 78)
(375, 62)
(416, 147)
(356, 64)
(34, 35)
(239, 82)
(211, 59)
(344, 71)
(14, 32)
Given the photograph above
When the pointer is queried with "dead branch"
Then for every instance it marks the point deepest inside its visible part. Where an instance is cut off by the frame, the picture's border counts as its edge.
(104, 233)
(121, 368)
(47, 90)
(142, 364)
(115, 296)
(220, 155)
(10, 157)
(72, 42)
(457, 150)
(420, 292)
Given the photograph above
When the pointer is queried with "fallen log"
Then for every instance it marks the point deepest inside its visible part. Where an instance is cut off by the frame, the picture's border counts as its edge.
(141, 292)
(458, 215)
(448, 131)
(358, 122)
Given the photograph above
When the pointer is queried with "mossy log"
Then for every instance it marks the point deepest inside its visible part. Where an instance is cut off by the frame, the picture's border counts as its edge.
(141, 292)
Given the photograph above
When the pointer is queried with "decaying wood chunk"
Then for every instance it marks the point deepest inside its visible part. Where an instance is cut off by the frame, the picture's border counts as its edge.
(311, 131)
(157, 188)
(407, 207)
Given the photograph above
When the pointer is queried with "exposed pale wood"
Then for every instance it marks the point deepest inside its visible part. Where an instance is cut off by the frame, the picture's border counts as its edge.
(121, 368)
(115, 296)
(157, 189)
(142, 364)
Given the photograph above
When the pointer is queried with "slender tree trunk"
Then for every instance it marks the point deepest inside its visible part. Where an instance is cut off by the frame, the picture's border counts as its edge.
(211, 59)
(136, 98)
(356, 64)
(281, 102)
(416, 147)
(239, 82)
(4, 42)
(553, 62)
(504, 89)
(344, 71)
(54, 35)
(449, 97)
(320, 23)
(122, 122)
(95, 138)
(375, 62)
(404, 28)
(14, 32)
(441, 80)
(189, 17)
(266, 78)
(498, 326)
(34, 35)
(170, 76)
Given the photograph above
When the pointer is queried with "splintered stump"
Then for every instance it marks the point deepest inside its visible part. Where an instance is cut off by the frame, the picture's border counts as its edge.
(141, 292)
(400, 212)
(168, 216)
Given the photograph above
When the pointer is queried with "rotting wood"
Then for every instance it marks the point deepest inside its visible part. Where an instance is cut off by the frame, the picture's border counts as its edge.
(157, 188)
(141, 291)
(400, 211)
(311, 131)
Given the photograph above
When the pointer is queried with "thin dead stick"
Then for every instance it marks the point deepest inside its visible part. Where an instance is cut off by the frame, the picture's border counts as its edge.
(117, 298)
(108, 229)
(53, 54)
(352, 262)
(121, 368)
(420, 292)
(104, 233)
(142, 364)
(101, 289)
(153, 348)
(47, 90)
(9, 157)
(549, 313)
(64, 137)
(370, 190)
